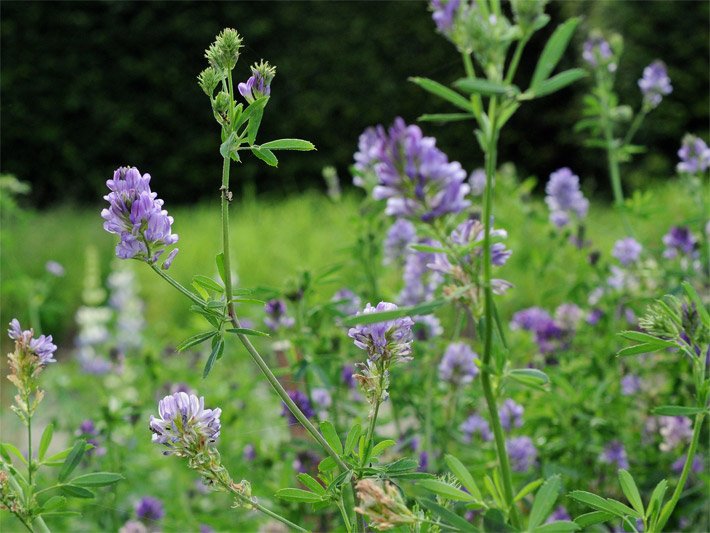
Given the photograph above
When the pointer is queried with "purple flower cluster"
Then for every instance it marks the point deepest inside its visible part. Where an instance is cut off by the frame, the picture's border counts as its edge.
(42, 346)
(136, 214)
(597, 52)
(420, 282)
(477, 182)
(630, 384)
(414, 176)
(184, 423)
(346, 301)
(655, 84)
(564, 197)
(400, 235)
(627, 251)
(302, 402)
(457, 367)
(88, 430)
(443, 13)
(679, 241)
(276, 315)
(675, 430)
(694, 155)
(511, 414)
(259, 83)
(522, 453)
(550, 335)
(560, 514)
(476, 424)
(615, 453)
(390, 340)
(149, 508)
(696, 467)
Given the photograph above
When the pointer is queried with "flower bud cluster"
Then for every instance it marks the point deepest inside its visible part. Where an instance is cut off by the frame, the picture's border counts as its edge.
(383, 505)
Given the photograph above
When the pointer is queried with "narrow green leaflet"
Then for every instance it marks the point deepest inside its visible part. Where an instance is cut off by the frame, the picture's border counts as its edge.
(445, 117)
(195, 340)
(55, 502)
(446, 491)
(76, 491)
(641, 348)
(226, 148)
(298, 495)
(606, 505)
(677, 410)
(631, 491)
(247, 331)
(381, 447)
(444, 92)
(266, 155)
(563, 526)
(331, 436)
(529, 376)
(217, 349)
(595, 517)
(559, 81)
(485, 87)
(97, 479)
(72, 460)
(351, 439)
(645, 338)
(311, 483)
(552, 53)
(8, 449)
(448, 517)
(544, 501)
(656, 500)
(372, 318)
(702, 310)
(463, 475)
(289, 144)
(255, 108)
(45, 441)
(208, 283)
(527, 489)
(219, 260)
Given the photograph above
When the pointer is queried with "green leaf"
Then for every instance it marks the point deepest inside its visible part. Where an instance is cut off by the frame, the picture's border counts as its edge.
(645, 338)
(631, 491)
(247, 331)
(311, 483)
(427, 249)
(380, 447)
(463, 475)
(656, 500)
(225, 149)
(75, 491)
(443, 92)
(331, 436)
(55, 502)
(563, 526)
(255, 118)
(266, 155)
(552, 53)
(12, 449)
(97, 479)
(640, 348)
(72, 460)
(595, 517)
(445, 490)
(493, 520)
(289, 144)
(217, 349)
(448, 517)
(45, 441)
(529, 376)
(544, 500)
(485, 87)
(607, 505)
(445, 117)
(702, 310)
(298, 495)
(195, 340)
(351, 439)
(559, 81)
(372, 318)
(677, 410)
(327, 464)
(219, 260)
(527, 489)
(402, 465)
(208, 283)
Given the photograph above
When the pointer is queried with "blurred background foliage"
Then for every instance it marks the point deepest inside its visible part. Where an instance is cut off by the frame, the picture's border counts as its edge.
(88, 86)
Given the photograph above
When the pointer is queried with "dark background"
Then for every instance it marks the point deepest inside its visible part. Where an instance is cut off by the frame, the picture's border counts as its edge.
(89, 86)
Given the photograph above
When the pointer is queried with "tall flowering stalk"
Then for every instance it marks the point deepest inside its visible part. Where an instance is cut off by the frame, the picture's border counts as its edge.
(481, 32)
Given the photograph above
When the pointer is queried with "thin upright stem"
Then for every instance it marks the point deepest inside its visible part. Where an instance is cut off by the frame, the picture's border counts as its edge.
(491, 159)
(670, 506)
(373, 421)
(513, 67)
(635, 125)
(29, 448)
(199, 301)
(41, 526)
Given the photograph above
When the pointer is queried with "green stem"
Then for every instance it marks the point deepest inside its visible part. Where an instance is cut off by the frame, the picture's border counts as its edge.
(670, 506)
(344, 514)
(251, 502)
(513, 67)
(371, 426)
(491, 158)
(41, 526)
(199, 301)
(29, 449)
(635, 125)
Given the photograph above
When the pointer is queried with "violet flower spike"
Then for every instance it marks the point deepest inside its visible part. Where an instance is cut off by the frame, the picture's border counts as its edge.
(655, 84)
(390, 340)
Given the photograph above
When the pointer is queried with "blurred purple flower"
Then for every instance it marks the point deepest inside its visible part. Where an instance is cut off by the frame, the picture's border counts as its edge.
(477, 182)
(694, 155)
(88, 430)
(249, 452)
(390, 340)
(594, 316)
(679, 240)
(476, 424)
(627, 250)
(305, 461)
(457, 366)
(511, 414)
(615, 453)
(346, 301)
(696, 467)
(347, 376)
(302, 402)
(564, 197)
(568, 316)
(400, 234)
(276, 315)
(655, 84)
(559, 514)
(675, 430)
(630, 384)
(443, 13)
(597, 52)
(149, 508)
(54, 268)
(522, 453)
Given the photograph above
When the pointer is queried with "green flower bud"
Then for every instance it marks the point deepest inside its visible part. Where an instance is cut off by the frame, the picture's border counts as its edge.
(224, 52)
(208, 80)
(222, 102)
(528, 13)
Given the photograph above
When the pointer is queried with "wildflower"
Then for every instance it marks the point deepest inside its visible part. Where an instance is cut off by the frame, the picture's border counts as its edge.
(322, 400)
(389, 340)
(427, 327)
(530, 319)
(477, 182)
(420, 282)
(679, 240)
(259, 83)
(597, 52)
(347, 376)
(558, 515)
(149, 508)
(223, 54)
(276, 315)
(415, 177)
(696, 467)
(305, 461)
(568, 316)
(675, 430)
(184, 425)
(133, 526)
(627, 250)
(549, 334)
(476, 424)
(615, 453)
(400, 235)
(655, 84)
(630, 384)
(564, 197)
(443, 13)
(374, 379)
(249, 452)
(522, 453)
(127, 306)
(347, 302)
(54, 268)
(27, 360)
(511, 414)
(594, 316)
(302, 402)
(457, 367)
(136, 215)
(694, 155)
(87, 429)
(367, 156)
(382, 504)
